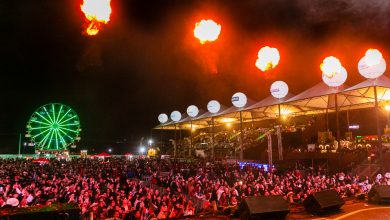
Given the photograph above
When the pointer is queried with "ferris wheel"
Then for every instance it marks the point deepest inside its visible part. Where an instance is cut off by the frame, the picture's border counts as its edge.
(53, 126)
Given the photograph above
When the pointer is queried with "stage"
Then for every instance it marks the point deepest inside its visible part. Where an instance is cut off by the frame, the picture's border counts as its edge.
(350, 211)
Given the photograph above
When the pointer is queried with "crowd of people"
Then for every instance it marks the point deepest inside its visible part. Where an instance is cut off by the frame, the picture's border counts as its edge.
(113, 188)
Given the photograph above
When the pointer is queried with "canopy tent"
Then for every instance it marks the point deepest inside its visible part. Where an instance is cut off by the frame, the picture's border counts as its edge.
(41, 160)
(104, 154)
(185, 123)
(318, 99)
(230, 114)
(269, 108)
(362, 95)
(171, 125)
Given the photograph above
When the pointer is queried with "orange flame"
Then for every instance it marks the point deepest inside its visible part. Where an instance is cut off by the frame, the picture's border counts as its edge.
(373, 57)
(330, 66)
(207, 30)
(267, 58)
(97, 12)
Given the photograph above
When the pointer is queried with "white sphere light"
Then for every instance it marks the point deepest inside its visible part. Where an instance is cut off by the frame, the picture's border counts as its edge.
(239, 99)
(337, 79)
(192, 111)
(175, 116)
(279, 89)
(163, 118)
(371, 71)
(213, 106)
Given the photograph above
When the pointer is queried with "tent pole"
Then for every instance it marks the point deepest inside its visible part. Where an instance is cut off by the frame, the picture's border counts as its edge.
(241, 140)
(253, 121)
(269, 137)
(189, 152)
(174, 146)
(212, 137)
(161, 138)
(337, 118)
(180, 140)
(379, 131)
(279, 134)
(327, 120)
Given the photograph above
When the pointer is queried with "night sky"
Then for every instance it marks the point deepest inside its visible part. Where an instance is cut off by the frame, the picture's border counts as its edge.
(146, 61)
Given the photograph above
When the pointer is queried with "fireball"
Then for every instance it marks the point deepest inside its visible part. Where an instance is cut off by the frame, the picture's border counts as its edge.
(373, 57)
(97, 13)
(207, 30)
(330, 66)
(267, 58)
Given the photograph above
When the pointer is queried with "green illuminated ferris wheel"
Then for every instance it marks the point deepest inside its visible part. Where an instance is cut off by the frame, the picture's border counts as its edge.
(53, 126)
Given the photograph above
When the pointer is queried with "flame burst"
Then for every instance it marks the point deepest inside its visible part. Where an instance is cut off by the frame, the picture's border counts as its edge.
(207, 30)
(330, 66)
(267, 58)
(97, 12)
(373, 57)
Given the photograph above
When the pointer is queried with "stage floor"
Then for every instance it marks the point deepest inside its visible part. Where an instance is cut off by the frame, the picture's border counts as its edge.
(349, 211)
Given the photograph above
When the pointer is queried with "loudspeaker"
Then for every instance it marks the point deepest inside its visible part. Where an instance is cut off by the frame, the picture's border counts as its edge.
(379, 194)
(270, 207)
(52, 212)
(328, 200)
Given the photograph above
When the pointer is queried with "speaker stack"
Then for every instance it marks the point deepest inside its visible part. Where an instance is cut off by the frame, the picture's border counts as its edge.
(270, 207)
(379, 194)
(324, 201)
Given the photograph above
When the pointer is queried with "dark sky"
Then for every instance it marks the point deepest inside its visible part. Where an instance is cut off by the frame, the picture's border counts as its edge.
(146, 61)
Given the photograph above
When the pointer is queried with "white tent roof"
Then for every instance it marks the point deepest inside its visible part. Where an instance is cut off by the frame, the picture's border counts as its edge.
(319, 97)
(362, 94)
(269, 107)
(270, 100)
(315, 100)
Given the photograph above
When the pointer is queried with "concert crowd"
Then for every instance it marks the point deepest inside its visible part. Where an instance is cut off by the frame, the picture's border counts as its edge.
(117, 188)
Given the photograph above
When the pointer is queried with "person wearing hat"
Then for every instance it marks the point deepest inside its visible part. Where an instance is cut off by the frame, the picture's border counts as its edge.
(11, 203)
(290, 195)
